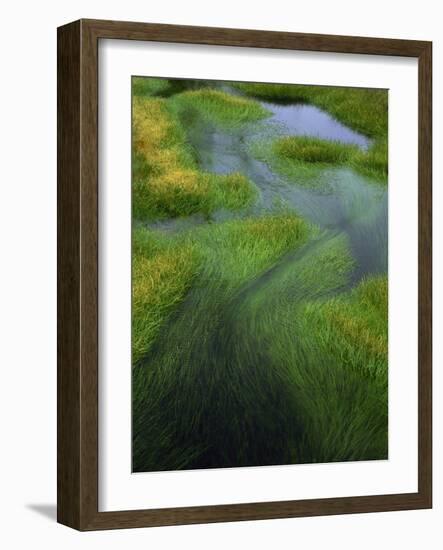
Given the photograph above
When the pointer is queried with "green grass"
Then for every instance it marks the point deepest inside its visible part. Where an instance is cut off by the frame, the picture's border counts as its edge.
(220, 107)
(166, 181)
(187, 393)
(303, 158)
(236, 251)
(313, 150)
(313, 175)
(249, 348)
(182, 192)
(364, 110)
(264, 359)
(162, 272)
(143, 86)
(374, 162)
(164, 87)
(230, 253)
(163, 268)
(340, 374)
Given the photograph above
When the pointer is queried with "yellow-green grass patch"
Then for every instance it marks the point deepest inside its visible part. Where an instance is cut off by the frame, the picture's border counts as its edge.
(166, 180)
(162, 272)
(355, 325)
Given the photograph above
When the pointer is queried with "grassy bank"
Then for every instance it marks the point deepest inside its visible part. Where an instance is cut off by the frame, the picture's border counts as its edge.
(166, 179)
(162, 272)
(374, 162)
(163, 267)
(220, 108)
(189, 391)
(145, 87)
(250, 347)
(292, 152)
(343, 364)
(313, 150)
(313, 175)
(263, 362)
(165, 87)
(361, 109)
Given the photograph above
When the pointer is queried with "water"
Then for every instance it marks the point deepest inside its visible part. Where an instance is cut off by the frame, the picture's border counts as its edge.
(342, 200)
(222, 398)
(312, 121)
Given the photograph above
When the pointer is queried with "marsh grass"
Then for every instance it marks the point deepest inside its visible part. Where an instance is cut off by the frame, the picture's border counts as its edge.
(305, 174)
(143, 86)
(313, 150)
(249, 347)
(364, 110)
(183, 192)
(165, 87)
(291, 154)
(221, 108)
(266, 361)
(340, 370)
(264, 358)
(189, 394)
(163, 267)
(360, 319)
(238, 250)
(162, 272)
(373, 162)
(166, 179)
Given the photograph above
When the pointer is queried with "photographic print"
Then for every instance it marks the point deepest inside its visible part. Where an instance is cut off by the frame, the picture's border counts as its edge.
(259, 274)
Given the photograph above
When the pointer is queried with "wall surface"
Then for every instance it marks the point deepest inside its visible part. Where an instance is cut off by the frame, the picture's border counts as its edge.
(28, 274)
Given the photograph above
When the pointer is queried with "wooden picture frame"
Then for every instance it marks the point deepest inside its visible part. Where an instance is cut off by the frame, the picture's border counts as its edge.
(78, 274)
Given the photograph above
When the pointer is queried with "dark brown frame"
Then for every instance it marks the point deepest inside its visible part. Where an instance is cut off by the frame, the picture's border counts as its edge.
(77, 455)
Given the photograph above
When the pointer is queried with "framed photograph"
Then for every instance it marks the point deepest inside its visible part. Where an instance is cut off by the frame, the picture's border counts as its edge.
(244, 275)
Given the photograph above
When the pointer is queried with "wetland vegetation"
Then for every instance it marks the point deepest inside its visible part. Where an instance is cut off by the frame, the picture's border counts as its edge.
(259, 274)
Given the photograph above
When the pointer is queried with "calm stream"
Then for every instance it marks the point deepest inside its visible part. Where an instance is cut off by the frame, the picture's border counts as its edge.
(224, 363)
(351, 203)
